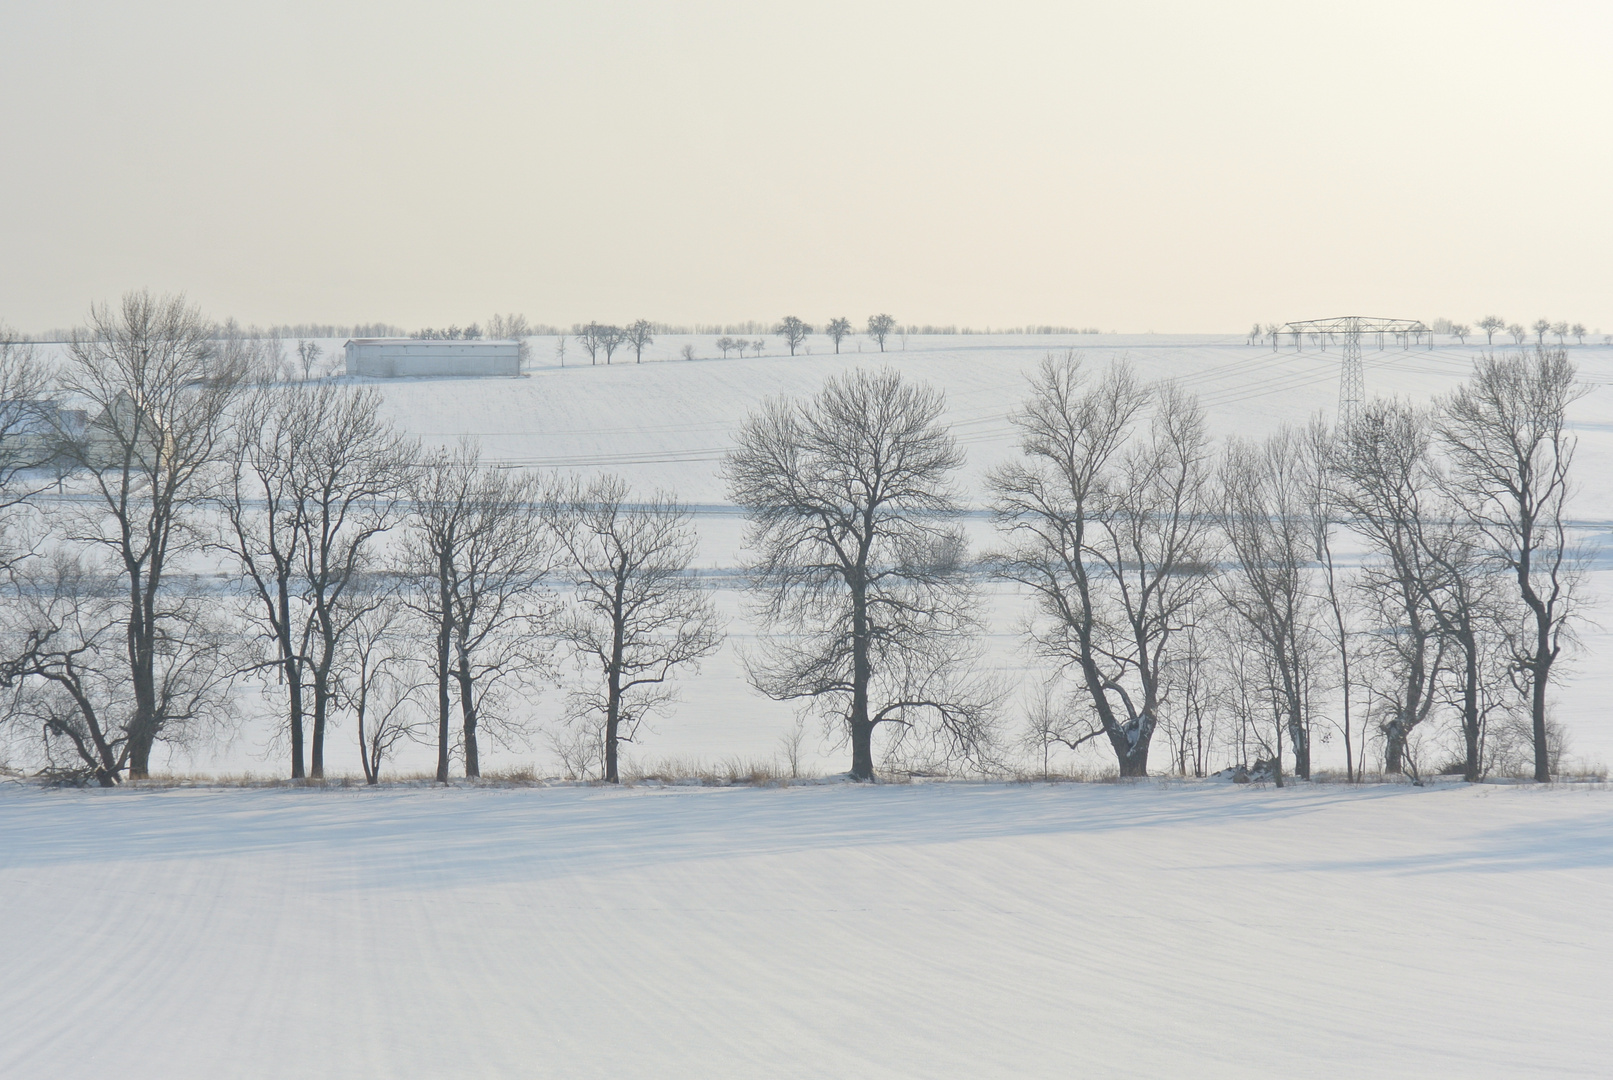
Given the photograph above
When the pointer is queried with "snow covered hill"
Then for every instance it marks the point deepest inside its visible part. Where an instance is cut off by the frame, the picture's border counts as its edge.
(1147, 930)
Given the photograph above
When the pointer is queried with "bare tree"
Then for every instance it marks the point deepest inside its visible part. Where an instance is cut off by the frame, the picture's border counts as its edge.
(1268, 518)
(355, 472)
(1506, 433)
(1560, 329)
(1107, 531)
(1542, 327)
(160, 397)
(638, 336)
(793, 331)
(1321, 449)
(308, 355)
(1490, 324)
(610, 338)
(478, 555)
(1460, 331)
(1578, 330)
(560, 349)
(724, 344)
(513, 328)
(314, 477)
(379, 683)
(591, 338)
(1517, 333)
(838, 330)
(880, 327)
(261, 525)
(637, 616)
(1388, 491)
(30, 416)
(858, 570)
(70, 670)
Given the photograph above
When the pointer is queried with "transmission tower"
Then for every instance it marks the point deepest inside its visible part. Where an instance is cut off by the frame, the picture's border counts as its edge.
(1347, 330)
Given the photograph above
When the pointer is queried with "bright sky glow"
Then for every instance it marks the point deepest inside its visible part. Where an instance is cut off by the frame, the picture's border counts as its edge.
(1182, 166)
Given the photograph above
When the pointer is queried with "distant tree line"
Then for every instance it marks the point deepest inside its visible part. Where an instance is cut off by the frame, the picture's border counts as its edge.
(1491, 325)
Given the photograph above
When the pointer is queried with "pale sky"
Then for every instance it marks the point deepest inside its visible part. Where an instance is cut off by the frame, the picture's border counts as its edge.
(1135, 166)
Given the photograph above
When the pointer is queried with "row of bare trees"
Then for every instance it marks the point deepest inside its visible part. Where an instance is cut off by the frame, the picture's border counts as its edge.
(178, 523)
(175, 525)
(1176, 586)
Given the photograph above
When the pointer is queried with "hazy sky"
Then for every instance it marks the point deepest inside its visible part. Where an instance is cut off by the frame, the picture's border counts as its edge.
(1185, 166)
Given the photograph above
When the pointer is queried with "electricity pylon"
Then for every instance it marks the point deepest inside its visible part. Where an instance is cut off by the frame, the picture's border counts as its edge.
(1349, 328)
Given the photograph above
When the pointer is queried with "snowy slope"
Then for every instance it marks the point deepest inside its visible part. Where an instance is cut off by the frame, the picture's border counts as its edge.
(918, 931)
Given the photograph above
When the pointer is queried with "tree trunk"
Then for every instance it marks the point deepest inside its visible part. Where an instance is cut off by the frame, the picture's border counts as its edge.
(1302, 747)
(1394, 747)
(1537, 707)
(316, 761)
(862, 728)
(862, 750)
(467, 709)
(1471, 766)
(444, 629)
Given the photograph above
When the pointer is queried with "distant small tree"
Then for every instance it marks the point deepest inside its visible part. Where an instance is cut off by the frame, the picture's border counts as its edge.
(589, 337)
(1517, 332)
(611, 339)
(1460, 331)
(756, 346)
(724, 344)
(688, 352)
(638, 336)
(1561, 330)
(1542, 327)
(880, 327)
(308, 354)
(1490, 324)
(1578, 330)
(560, 349)
(793, 331)
(838, 330)
(1255, 333)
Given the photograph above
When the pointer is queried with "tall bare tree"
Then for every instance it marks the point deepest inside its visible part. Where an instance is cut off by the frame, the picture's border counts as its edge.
(479, 554)
(314, 477)
(1506, 434)
(1268, 516)
(637, 616)
(1389, 493)
(1107, 529)
(858, 568)
(1490, 324)
(159, 397)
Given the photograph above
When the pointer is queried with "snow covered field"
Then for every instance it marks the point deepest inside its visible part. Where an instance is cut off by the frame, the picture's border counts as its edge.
(896, 931)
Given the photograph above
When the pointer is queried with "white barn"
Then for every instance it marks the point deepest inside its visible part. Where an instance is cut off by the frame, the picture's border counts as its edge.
(406, 358)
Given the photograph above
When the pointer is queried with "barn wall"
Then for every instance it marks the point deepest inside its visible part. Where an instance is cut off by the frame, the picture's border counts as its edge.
(417, 359)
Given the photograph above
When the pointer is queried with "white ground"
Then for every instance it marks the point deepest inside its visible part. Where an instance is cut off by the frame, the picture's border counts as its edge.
(897, 931)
